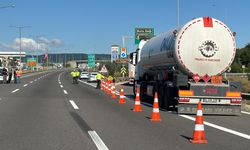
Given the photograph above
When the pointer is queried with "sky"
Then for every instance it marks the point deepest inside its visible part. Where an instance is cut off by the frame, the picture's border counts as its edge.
(92, 26)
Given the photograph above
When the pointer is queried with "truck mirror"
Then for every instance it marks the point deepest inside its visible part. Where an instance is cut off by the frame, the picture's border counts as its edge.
(133, 58)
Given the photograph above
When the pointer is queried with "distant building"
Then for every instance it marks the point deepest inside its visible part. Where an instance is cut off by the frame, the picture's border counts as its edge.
(5, 57)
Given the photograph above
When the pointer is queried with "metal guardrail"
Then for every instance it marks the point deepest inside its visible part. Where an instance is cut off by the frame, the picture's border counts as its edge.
(236, 74)
(245, 96)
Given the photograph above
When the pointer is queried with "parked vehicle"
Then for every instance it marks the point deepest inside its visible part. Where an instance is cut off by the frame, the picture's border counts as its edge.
(185, 65)
(84, 75)
(92, 77)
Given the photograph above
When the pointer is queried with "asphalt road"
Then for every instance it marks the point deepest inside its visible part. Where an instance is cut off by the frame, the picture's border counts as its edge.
(48, 112)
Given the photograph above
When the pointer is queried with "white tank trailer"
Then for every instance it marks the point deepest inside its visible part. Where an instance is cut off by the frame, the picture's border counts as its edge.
(202, 48)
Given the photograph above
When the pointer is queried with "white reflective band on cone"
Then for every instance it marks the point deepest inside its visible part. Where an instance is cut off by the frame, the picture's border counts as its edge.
(137, 103)
(199, 113)
(121, 90)
(156, 100)
(137, 94)
(122, 96)
(113, 92)
(156, 110)
(199, 127)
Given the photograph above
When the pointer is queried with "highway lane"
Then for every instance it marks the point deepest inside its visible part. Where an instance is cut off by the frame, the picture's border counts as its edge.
(53, 113)
(237, 123)
(37, 117)
(120, 128)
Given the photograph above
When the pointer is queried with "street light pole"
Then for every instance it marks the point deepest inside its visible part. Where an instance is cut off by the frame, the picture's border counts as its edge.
(178, 13)
(124, 38)
(20, 38)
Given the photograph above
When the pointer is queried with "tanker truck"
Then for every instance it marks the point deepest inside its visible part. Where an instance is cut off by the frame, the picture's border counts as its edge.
(185, 66)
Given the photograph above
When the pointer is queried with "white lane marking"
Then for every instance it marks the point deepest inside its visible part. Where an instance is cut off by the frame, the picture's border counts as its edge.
(15, 90)
(244, 112)
(25, 85)
(59, 78)
(73, 104)
(97, 140)
(61, 86)
(220, 128)
(35, 80)
(65, 92)
(31, 81)
(60, 82)
(87, 83)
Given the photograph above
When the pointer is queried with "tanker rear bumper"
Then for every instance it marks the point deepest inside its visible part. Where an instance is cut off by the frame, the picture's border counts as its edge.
(210, 109)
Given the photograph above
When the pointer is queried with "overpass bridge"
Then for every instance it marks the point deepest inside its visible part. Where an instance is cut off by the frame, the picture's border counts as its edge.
(83, 63)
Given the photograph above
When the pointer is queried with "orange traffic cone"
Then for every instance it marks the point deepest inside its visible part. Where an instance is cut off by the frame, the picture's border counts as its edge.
(137, 107)
(122, 100)
(199, 133)
(113, 91)
(156, 113)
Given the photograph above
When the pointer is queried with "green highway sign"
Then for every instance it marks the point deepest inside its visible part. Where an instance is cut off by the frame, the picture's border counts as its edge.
(143, 33)
(91, 60)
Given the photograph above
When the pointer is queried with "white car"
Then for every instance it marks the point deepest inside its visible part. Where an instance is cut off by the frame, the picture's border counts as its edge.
(84, 75)
(92, 77)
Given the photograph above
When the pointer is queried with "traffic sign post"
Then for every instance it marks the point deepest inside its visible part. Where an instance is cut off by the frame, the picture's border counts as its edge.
(104, 69)
(91, 60)
(123, 52)
(123, 71)
(143, 33)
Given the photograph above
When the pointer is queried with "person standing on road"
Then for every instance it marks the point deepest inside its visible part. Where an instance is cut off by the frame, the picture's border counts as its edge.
(18, 76)
(99, 78)
(110, 78)
(5, 73)
(15, 81)
(10, 76)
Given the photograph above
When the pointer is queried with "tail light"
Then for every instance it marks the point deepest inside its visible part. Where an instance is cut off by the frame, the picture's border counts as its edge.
(184, 100)
(186, 93)
(235, 101)
(233, 94)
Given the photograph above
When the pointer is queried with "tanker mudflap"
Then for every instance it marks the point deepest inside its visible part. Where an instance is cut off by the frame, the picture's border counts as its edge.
(210, 109)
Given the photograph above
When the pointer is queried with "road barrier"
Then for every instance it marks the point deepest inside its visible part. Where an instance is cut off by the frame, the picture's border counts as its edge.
(245, 96)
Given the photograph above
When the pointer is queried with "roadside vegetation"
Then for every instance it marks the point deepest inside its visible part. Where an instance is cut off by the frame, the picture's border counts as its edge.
(241, 63)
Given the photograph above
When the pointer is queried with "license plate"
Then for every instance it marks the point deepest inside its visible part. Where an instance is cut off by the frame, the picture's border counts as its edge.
(211, 101)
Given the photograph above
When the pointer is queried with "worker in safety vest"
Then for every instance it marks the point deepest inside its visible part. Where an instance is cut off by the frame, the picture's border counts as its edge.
(75, 75)
(111, 79)
(99, 78)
